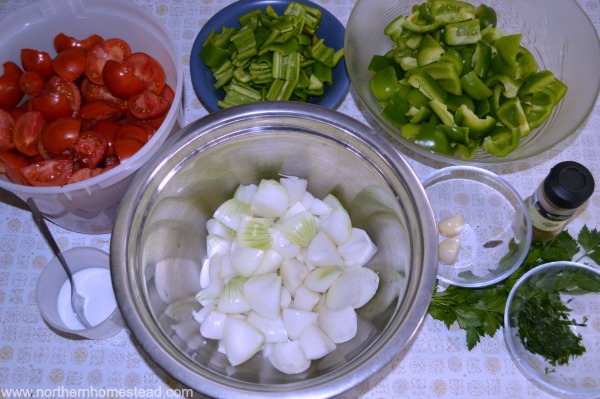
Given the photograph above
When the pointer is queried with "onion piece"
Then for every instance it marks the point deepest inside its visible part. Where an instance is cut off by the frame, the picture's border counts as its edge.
(273, 329)
(245, 192)
(322, 251)
(245, 260)
(231, 212)
(217, 245)
(296, 320)
(321, 278)
(211, 293)
(305, 298)
(213, 325)
(300, 228)
(281, 244)
(233, 298)
(254, 234)
(337, 226)
(359, 250)
(270, 262)
(339, 325)
(315, 343)
(292, 274)
(263, 293)
(213, 226)
(270, 199)
(295, 187)
(241, 340)
(354, 287)
(288, 357)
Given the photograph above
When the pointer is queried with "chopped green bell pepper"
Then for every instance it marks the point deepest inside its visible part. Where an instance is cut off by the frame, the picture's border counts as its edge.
(501, 141)
(451, 11)
(487, 16)
(441, 110)
(474, 87)
(478, 128)
(462, 33)
(421, 80)
(395, 110)
(482, 58)
(433, 138)
(453, 57)
(511, 114)
(416, 25)
(429, 51)
(445, 74)
(384, 83)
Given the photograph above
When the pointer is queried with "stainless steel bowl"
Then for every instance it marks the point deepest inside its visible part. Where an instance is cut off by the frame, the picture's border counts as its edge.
(160, 230)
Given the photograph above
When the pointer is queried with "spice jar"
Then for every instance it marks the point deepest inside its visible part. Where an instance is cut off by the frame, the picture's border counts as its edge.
(567, 187)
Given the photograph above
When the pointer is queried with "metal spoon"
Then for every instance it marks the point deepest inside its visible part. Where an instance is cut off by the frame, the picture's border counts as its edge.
(76, 299)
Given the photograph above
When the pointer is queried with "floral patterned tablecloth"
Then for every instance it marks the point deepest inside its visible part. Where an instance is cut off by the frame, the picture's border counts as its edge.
(437, 364)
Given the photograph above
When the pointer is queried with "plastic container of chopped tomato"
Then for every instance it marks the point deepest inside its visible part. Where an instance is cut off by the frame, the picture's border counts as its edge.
(90, 206)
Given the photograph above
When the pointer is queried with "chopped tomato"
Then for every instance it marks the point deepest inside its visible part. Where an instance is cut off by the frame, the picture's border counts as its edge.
(10, 91)
(100, 110)
(110, 49)
(31, 83)
(27, 131)
(121, 80)
(67, 88)
(63, 42)
(108, 129)
(11, 164)
(38, 61)
(84, 174)
(60, 134)
(70, 64)
(51, 105)
(148, 70)
(134, 131)
(111, 161)
(7, 124)
(90, 149)
(126, 147)
(147, 105)
(51, 172)
(91, 91)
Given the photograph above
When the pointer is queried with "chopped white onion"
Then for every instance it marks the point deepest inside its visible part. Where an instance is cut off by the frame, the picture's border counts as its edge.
(339, 325)
(213, 226)
(337, 226)
(359, 250)
(354, 287)
(245, 260)
(322, 251)
(315, 343)
(263, 293)
(296, 320)
(305, 298)
(270, 199)
(245, 192)
(233, 298)
(292, 274)
(241, 340)
(211, 292)
(300, 228)
(273, 329)
(213, 325)
(254, 234)
(288, 357)
(270, 262)
(231, 212)
(295, 187)
(321, 278)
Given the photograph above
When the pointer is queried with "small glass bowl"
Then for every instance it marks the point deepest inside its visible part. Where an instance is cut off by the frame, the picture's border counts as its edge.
(495, 218)
(580, 378)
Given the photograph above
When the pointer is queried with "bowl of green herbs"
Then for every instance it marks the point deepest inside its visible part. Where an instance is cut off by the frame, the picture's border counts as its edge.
(552, 328)
(261, 50)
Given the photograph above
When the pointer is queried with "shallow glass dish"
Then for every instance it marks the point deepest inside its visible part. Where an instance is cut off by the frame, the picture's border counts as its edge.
(580, 378)
(331, 30)
(559, 34)
(496, 234)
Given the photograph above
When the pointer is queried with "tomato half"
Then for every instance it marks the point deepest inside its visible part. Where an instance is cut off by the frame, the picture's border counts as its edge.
(109, 130)
(133, 131)
(31, 83)
(70, 64)
(38, 61)
(84, 174)
(27, 131)
(148, 70)
(7, 124)
(90, 149)
(67, 88)
(51, 105)
(147, 105)
(110, 49)
(91, 91)
(126, 147)
(51, 172)
(60, 134)
(11, 164)
(10, 91)
(100, 110)
(63, 42)
(121, 80)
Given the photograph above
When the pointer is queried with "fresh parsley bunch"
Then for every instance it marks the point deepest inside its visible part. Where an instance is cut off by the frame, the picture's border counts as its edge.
(480, 311)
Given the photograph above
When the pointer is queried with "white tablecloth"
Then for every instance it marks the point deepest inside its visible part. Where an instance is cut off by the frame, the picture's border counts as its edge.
(437, 364)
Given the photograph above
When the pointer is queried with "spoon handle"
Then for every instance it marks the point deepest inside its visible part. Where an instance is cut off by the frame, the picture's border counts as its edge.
(39, 220)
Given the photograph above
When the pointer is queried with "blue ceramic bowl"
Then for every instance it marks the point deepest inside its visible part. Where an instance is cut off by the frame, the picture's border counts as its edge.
(330, 29)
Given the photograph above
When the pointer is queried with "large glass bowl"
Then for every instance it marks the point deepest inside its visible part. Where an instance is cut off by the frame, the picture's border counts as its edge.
(159, 240)
(557, 32)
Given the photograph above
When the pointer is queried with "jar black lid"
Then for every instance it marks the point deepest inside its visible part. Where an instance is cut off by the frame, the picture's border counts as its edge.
(569, 184)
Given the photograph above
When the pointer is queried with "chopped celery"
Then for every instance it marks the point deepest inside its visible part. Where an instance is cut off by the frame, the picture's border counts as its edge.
(473, 85)
(271, 56)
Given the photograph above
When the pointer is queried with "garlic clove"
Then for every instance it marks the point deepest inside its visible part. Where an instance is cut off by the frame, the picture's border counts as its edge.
(451, 226)
(448, 250)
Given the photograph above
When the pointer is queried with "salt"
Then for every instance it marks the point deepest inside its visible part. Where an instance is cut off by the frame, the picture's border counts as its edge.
(95, 285)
